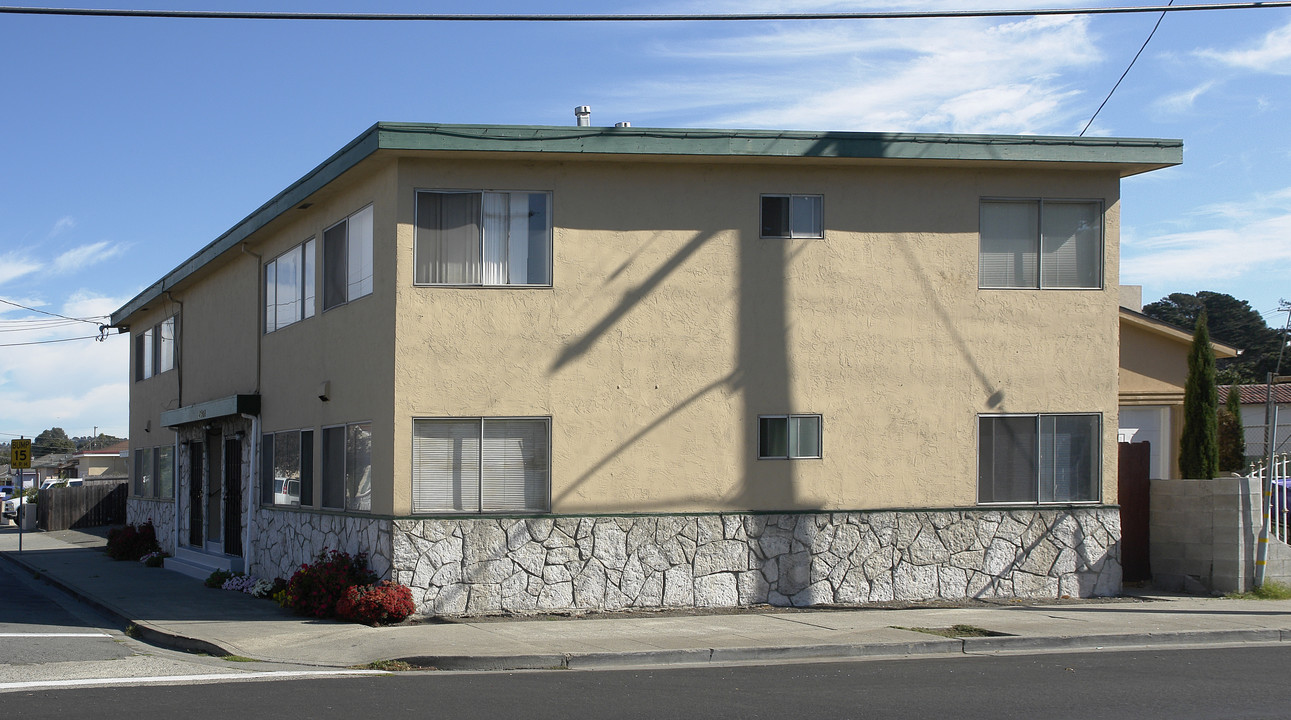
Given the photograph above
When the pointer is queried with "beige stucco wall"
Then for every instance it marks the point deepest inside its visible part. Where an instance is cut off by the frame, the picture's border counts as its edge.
(671, 326)
(1151, 363)
(222, 323)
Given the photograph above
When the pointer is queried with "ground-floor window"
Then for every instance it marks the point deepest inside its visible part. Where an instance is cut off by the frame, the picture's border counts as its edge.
(481, 465)
(347, 467)
(287, 468)
(1039, 458)
(154, 472)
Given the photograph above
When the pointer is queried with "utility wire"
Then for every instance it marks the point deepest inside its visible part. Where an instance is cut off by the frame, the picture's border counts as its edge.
(689, 17)
(1127, 70)
(46, 312)
(46, 342)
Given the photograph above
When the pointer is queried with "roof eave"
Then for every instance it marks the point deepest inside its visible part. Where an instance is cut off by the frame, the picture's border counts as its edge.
(1129, 156)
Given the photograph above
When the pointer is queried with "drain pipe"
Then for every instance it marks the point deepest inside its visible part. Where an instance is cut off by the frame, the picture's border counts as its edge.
(252, 499)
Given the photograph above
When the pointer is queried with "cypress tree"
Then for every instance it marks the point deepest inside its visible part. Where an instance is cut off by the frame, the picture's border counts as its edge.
(1232, 435)
(1199, 446)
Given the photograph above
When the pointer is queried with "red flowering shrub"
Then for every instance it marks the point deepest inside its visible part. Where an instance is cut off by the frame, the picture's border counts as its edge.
(380, 604)
(132, 542)
(314, 589)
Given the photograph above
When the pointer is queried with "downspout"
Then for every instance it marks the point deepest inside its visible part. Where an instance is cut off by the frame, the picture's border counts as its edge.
(179, 382)
(252, 500)
(254, 475)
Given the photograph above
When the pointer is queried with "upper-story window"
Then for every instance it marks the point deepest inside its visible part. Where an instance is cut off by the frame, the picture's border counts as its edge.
(347, 259)
(155, 349)
(483, 238)
(289, 287)
(792, 216)
(1037, 243)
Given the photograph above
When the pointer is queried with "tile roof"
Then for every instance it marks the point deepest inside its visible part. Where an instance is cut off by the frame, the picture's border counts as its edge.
(1257, 394)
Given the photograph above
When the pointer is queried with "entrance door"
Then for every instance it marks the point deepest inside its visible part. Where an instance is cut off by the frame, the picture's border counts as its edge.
(233, 496)
(214, 493)
(196, 492)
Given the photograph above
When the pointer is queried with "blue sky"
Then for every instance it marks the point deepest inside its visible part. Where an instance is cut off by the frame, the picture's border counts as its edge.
(128, 144)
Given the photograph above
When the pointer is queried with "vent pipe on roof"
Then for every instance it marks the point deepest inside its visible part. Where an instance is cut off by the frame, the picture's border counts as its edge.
(584, 115)
(622, 124)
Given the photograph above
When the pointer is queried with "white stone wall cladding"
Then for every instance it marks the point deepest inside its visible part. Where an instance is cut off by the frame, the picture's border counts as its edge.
(162, 515)
(286, 539)
(524, 565)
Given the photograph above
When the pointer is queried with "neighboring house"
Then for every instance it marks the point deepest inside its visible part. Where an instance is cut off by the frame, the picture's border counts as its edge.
(1255, 417)
(54, 465)
(106, 463)
(1154, 370)
(541, 368)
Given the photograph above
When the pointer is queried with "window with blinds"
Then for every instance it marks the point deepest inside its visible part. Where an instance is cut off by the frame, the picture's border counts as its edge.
(472, 237)
(481, 465)
(1039, 458)
(1041, 244)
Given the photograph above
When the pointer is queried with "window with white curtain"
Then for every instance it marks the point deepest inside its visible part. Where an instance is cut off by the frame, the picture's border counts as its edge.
(1041, 243)
(347, 259)
(472, 237)
(472, 465)
(1039, 458)
(289, 287)
(156, 349)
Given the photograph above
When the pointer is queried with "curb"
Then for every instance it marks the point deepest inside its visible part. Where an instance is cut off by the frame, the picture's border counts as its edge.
(851, 651)
(142, 630)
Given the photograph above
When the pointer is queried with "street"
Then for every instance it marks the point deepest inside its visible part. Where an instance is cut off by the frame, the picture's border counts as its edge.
(1245, 682)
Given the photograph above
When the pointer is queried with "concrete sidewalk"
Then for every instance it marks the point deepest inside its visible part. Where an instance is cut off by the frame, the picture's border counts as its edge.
(176, 611)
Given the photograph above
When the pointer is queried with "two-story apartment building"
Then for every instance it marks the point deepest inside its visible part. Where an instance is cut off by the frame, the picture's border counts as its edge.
(541, 368)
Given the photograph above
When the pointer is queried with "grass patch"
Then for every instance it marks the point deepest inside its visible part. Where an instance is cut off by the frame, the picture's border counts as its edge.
(954, 631)
(238, 658)
(1268, 591)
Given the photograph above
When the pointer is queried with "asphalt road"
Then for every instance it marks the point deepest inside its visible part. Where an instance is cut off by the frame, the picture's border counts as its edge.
(39, 625)
(1245, 682)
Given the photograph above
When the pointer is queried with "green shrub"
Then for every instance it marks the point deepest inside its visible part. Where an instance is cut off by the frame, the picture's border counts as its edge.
(217, 579)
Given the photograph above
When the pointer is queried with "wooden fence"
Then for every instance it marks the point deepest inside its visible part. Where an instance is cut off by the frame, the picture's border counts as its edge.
(90, 505)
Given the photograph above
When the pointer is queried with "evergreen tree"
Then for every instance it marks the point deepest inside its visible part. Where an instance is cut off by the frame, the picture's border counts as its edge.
(1233, 322)
(1232, 436)
(53, 440)
(1199, 446)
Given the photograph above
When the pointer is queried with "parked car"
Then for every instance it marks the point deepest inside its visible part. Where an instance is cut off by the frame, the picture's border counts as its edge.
(11, 506)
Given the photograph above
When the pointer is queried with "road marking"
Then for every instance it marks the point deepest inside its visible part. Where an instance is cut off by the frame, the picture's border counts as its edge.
(52, 635)
(122, 681)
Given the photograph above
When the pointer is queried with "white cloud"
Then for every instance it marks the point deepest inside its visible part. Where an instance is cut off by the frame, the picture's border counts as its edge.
(74, 385)
(1247, 238)
(14, 265)
(1271, 55)
(946, 75)
(64, 224)
(85, 255)
(1182, 101)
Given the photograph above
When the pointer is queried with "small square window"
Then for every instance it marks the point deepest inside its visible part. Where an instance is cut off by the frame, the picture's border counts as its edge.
(787, 437)
(792, 216)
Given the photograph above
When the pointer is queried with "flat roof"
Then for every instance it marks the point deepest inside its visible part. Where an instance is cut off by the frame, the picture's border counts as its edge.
(1129, 156)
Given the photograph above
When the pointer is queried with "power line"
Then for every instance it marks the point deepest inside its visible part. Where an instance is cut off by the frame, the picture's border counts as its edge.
(1127, 71)
(46, 342)
(681, 17)
(46, 312)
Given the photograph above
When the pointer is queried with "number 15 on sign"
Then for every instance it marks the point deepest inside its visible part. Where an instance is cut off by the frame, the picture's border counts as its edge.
(20, 454)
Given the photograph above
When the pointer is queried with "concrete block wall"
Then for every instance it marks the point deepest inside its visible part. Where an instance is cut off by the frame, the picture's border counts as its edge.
(1204, 536)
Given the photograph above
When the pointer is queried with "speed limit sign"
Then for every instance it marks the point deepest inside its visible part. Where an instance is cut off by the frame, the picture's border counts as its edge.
(20, 454)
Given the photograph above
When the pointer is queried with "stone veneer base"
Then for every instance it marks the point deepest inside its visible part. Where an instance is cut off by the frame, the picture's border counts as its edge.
(162, 515)
(468, 566)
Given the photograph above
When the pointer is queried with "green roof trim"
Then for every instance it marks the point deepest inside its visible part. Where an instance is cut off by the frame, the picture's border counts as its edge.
(1129, 156)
